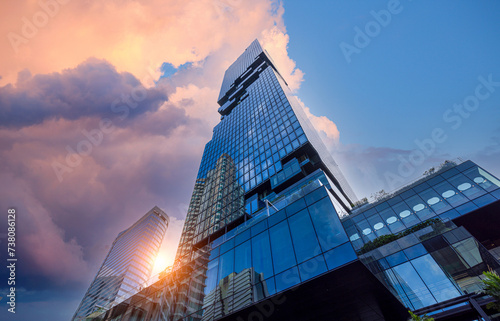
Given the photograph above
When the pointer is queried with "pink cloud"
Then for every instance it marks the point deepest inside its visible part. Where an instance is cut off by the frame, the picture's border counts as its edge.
(72, 70)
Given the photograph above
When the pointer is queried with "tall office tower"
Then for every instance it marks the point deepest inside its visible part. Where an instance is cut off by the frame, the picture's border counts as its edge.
(263, 143)
(270, 233)
(127, 266)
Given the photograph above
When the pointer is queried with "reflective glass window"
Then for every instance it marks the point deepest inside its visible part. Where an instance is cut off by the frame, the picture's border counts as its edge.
(378, 225)
(450, 194)
(466, 208)
(436, 280)
(261, 254)
(412, 285)
(481, 177)
(415, 251)
(396, 258)
(259, 227)
(484, 200)
(406, 214)
(242, 257)
(226, 264)
(242, 237)
(226, 246)
(316, 195)
(276, 217)
(287, 279)
(435, 201)
(312, 268)
(469, 251)
(304, 238)
(211, 282)
(420, 207)
(466, 186)
(281, 247)
(295, 207)
(340, 256)
(392, 220)
(327, 224)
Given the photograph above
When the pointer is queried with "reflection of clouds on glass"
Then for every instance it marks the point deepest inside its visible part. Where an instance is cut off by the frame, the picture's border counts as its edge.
(433, 200)
(448, 193)
(464, 186)
(391, 220)
(405, 213)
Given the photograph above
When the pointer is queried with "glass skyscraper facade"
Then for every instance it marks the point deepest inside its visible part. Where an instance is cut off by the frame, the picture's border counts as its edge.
(127, 266)
(271, 232)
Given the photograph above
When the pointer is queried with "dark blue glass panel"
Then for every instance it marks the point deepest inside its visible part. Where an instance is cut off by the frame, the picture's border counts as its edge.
(214, 253)
(415, 251)
(396, 258)
(465, 165)
(242, 237)
(269, 286)
(259, 227)
(327, 224)
(281, 247)
(408, 279)
(312, 268)
(407, 194)
(466, 208)
(276, 217)
(304, 237)
(383, 263)
(226, 264)
(449, 173)
(226, 246)
(242, 257)
(295, 207)
(287, 279)
(484, 200)
(315, 195)
(420, 187)
(261, 254)
(212, 269)
(340, 256)
(382, 206)
(436, 280)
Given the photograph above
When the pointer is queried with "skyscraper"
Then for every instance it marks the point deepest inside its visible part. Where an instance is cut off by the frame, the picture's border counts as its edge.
(272, 232)
(127, 266)
(263, 143)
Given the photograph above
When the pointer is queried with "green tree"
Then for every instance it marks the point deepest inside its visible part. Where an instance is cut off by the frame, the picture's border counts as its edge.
(491, 286)
(415, 317)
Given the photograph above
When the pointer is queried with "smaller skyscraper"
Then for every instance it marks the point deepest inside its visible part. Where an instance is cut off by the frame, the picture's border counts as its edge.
(127, 266)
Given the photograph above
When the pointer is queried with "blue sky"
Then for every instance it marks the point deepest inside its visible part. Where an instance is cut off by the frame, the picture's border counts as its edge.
(397, 88)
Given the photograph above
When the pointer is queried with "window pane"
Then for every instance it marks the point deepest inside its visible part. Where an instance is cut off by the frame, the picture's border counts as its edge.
(327, 224)
(287, 279)
(261, 254)
(213, 267)
(340, 256)
(437, 282)
(226, 264)
(466, 186)
(304, 237)
(281, 246)
(414, 287)
(242, 257)
(312, 268)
